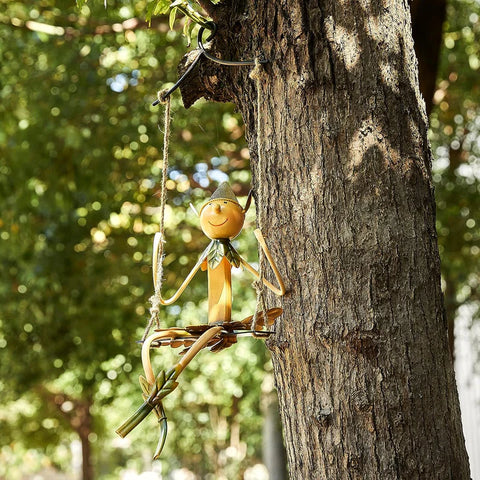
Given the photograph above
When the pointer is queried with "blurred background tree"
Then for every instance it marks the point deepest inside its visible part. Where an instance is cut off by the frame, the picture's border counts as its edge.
(80, 158)
(455, 138)
(447, 44)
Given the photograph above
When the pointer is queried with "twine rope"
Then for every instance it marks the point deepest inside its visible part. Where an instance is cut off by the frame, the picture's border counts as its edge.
(257, 74)
(155, 299)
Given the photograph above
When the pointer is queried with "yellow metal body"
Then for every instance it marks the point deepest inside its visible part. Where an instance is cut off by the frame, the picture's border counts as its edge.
(221, 218)
(220, 292)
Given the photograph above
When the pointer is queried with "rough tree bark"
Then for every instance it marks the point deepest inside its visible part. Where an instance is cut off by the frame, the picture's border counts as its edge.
(360, 355)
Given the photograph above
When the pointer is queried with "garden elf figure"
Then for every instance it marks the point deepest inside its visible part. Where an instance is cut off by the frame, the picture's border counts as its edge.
(221, 219)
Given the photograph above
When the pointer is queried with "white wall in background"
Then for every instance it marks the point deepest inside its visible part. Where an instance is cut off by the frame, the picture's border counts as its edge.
(467, 348)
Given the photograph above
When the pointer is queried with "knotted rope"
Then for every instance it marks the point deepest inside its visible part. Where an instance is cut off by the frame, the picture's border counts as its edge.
(155, 299)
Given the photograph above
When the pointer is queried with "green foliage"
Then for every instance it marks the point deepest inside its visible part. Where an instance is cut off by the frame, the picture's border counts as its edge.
(80, 160)
(455, 137)
(161, 6)
(189, 9)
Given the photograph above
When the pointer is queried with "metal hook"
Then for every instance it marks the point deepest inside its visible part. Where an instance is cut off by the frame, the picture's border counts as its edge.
(180, 80)
(203, 52)
(232, 63)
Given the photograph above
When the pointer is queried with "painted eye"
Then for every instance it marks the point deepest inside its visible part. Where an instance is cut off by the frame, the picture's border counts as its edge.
(225, 203)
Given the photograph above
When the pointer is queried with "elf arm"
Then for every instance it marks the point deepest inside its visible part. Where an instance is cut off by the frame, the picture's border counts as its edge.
(280, 290)
(155, 267)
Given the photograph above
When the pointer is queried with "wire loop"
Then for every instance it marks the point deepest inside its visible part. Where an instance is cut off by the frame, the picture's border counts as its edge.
(164, 94)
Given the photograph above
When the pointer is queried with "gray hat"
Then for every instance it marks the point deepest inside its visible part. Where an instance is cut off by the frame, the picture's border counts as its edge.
(225, 191)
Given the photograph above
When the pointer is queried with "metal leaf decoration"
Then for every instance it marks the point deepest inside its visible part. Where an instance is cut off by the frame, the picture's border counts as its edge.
(215, 255)
(232, 255)
(220, 249)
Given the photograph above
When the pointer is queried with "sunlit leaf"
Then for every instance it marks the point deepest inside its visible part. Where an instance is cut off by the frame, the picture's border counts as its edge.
(171, 18)
(161, 7)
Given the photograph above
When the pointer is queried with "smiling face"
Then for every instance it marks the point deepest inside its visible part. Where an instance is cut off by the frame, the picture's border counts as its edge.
(221, 218)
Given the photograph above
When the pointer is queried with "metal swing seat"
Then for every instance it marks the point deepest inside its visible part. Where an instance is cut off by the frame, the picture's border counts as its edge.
(226, 337)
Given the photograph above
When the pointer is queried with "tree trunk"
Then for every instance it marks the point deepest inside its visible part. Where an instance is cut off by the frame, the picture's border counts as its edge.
(360, 355)
(81, 422)
(84, 431)
(451, 308)
(274, 455)
(79, 418)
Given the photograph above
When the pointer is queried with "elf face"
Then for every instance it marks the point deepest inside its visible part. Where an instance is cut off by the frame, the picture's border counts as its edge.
(222, 218)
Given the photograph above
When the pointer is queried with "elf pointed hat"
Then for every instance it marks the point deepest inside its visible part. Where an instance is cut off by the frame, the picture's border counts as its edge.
(225, 192)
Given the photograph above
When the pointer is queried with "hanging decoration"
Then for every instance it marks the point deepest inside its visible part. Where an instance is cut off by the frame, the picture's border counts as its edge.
(221, 220)
(203, 52)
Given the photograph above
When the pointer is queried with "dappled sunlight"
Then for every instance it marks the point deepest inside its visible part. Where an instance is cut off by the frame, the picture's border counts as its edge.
(390, 76)
(388, 39)
(346, 43)
(367, 136)
(81, 161)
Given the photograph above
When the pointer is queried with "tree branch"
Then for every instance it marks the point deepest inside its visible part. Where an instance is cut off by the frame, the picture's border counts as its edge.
(75, 417)
(68, 30)
(204, 81)
(232, 41)
(209, 8)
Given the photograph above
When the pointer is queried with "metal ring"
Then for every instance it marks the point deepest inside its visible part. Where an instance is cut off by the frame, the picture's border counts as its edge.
(231, 63)
(203, 52)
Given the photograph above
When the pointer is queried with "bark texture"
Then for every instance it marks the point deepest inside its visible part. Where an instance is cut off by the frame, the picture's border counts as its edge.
(360, 355)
